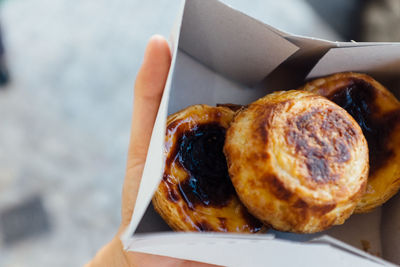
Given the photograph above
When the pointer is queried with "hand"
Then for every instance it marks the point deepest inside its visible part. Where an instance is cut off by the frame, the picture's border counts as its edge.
(149, 87)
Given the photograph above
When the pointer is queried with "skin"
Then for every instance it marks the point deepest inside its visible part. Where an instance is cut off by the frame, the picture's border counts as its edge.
(149, 87)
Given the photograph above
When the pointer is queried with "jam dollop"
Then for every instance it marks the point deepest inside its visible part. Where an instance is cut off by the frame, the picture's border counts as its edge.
(201, 155)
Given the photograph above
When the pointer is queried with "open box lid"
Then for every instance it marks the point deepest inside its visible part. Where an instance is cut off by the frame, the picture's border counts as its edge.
(222, 55)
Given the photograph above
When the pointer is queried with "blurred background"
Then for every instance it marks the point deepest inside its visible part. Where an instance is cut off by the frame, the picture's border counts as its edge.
(67, 70)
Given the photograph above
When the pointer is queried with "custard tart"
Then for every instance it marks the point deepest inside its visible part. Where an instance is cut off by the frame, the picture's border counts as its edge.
(298, 161)
(196, 193)
(377, 111)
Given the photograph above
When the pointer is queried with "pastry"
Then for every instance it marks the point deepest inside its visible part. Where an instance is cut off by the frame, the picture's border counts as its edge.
(297, 161)
(377, 111)
(196, 193)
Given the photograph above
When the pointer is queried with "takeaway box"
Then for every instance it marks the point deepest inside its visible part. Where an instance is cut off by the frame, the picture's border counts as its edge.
(221, 55)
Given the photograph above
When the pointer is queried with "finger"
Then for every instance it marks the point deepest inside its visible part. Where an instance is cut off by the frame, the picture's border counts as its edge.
(149, 87)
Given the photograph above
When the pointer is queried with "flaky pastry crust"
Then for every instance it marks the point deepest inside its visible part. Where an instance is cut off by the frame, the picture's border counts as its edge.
(297, 161)
(377, 111)
(196, 193)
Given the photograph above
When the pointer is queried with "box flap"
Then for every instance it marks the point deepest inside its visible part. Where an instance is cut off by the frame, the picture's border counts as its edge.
(286, 21)
(230, 42)
(194, 83)
(245, 250)
(381, 61)
(325, 239)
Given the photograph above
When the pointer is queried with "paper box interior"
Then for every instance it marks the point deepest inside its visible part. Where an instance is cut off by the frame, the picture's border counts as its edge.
(221, 55)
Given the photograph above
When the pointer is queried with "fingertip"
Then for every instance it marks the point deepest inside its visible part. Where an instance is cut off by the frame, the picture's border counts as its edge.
(158, 46)
(158, 38)
(154, 70)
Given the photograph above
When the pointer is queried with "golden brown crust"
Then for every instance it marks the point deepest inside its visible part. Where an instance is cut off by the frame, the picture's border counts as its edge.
(378, 112)
(297, 161)
(204, 208)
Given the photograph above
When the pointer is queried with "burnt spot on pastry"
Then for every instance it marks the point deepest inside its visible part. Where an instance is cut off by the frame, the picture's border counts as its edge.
(318, 168)
(322, 209)
(253, 224)
(278, 188)
(302, 210)
(262, 130)
(322, 137)
(200, 154)
(203, 227)
(314, 209)
(358, 99)
(222, 224)
(263, 115)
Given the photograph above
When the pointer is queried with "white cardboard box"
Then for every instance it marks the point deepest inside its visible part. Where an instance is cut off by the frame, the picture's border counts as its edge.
(221, 55)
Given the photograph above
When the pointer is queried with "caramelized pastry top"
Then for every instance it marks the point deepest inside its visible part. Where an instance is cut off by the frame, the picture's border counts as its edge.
(200, 153)
(196, 193)
(374, 108)
(377, 111)
(297, 161)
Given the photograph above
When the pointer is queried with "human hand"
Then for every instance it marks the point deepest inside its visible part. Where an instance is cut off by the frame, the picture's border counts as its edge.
(148, 91)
